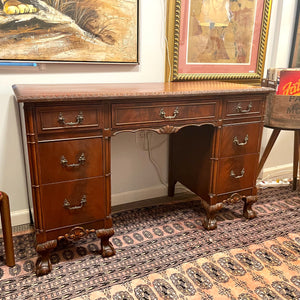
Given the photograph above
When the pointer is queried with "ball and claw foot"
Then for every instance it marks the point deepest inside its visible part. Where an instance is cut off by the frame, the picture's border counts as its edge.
(248, 212)
(209, 223)
(15, 7)
(107, 249)
(43, 266)
(43, 263)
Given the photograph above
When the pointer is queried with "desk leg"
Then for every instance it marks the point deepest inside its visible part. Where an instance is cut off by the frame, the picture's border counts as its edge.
(43, 263)
(210, 221)
(107, 248)
(268, 149)
(248, 212)
(296, 158)
(171, 179)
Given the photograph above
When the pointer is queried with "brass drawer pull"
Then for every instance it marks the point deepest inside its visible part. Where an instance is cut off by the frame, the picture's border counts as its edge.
(81, 162)
(79, 120)
(236, 141)
(232, 174)
(239, 108)
(83, 202)
(163, 114)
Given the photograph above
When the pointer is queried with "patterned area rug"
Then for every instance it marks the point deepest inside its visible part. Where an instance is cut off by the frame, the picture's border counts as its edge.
(163, 252)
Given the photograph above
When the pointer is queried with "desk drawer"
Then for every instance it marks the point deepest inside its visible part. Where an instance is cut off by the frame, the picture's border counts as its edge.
(236, 173)
(69, 117)
(238, 139)
(236, 107)
(72, 203)
(70, 159)
(146, 114)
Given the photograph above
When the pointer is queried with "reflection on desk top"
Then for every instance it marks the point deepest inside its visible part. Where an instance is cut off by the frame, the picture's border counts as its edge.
(106, 91)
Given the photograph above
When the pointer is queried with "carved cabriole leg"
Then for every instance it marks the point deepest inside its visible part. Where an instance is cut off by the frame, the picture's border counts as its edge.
(248, 212)
(43, 263)
(210, 221)
(171, 179)
(107, 248)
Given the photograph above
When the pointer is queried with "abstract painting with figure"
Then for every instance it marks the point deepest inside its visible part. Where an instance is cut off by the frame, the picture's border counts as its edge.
(214, 37)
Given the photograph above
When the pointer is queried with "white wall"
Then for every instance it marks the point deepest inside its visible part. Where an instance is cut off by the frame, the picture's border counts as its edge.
(134, 177)
(279, 163)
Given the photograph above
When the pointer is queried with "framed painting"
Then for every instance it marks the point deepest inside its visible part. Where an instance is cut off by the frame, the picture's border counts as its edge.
(295, 52)
(217, 39)
(89, 31)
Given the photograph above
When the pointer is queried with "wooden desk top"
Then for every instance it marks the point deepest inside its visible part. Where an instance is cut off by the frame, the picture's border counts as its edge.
(47, 92)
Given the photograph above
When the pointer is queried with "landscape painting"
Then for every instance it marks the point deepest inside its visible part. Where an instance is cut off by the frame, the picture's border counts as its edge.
(91, 31)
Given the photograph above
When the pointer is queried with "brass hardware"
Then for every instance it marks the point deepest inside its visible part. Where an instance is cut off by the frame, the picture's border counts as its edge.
(81, 162)
(239, 108)
(163, 114)
(79, 119)
(83, 202)
(232, 174)
(236, 141)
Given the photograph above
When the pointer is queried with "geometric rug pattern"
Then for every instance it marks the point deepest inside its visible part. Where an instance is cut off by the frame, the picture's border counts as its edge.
(163, 252)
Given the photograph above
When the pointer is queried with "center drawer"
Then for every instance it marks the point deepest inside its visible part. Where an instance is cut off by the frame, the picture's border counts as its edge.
(73, 203)
(70, 159)
(157, 113)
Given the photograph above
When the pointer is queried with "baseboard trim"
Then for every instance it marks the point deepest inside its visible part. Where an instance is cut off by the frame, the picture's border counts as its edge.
(137, 195)
(19, 217)
(143, 194)
(279, 172)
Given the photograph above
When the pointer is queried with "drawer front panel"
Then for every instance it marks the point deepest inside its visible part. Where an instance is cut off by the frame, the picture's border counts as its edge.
(238, 139)
(144, 115)
(66, 117)
(70, 159)
(236, 174)
(241, 107)
(73, 203)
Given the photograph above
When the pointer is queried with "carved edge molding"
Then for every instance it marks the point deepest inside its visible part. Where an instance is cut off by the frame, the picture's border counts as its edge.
(167, 129)
(76, 233)
(234, 198)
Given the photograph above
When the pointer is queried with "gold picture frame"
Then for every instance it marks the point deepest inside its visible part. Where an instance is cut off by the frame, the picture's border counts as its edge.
(295, 52)
(215, 43)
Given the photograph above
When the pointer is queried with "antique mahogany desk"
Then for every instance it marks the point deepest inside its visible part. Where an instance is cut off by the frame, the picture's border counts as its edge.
(215, 134)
